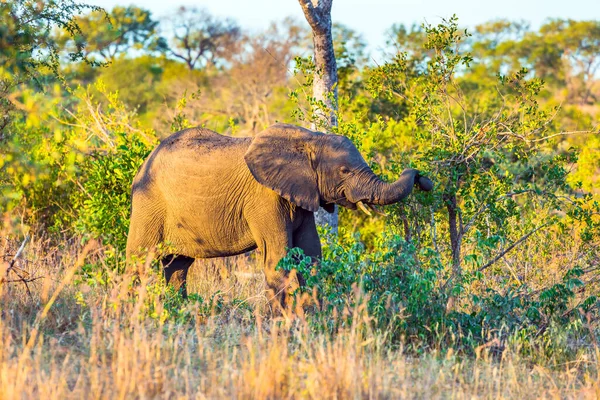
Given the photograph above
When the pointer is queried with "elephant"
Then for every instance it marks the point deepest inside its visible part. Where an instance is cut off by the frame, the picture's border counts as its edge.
(209, 195)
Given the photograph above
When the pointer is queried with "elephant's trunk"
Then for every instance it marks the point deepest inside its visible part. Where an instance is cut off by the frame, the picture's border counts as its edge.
(373, 190)
(391, 193)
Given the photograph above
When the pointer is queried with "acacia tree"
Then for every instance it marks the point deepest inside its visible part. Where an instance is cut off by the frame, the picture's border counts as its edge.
(318, 15)
(199, 38)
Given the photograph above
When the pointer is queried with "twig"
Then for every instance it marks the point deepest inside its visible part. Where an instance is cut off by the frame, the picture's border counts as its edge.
(24, 280)
(11, 266)
(509, 132)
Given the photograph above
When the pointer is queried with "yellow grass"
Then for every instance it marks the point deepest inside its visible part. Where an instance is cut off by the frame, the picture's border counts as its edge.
(71, 340)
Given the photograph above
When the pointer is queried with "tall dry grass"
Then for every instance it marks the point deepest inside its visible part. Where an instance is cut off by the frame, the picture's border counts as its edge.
(67, 339)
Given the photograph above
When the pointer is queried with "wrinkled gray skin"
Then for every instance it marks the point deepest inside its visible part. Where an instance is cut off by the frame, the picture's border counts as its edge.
(208, 195)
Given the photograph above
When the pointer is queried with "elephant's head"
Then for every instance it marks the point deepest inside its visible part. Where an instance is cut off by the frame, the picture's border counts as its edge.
(312, 169)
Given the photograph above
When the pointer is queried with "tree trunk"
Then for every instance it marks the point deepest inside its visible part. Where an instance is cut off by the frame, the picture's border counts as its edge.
(325, 80)
(456, 232)
(318, 15)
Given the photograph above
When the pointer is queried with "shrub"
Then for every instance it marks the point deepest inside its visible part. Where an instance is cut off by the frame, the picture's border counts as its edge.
(104, 203)
(405, 294)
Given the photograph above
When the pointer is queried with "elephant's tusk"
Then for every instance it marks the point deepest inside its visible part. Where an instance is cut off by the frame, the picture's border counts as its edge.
(378, 211)
(363, 208)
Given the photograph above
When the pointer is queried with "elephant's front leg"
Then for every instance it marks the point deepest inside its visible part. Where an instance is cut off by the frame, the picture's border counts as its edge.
(281, 282)
(272, 228)
(278, 280)
(273, 238)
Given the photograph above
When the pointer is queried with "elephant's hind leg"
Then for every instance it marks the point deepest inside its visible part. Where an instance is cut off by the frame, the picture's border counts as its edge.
(176, 269)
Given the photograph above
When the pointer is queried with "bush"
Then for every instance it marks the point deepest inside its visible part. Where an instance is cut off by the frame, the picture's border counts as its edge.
(77, 179)
(103, 205)
(406, 296)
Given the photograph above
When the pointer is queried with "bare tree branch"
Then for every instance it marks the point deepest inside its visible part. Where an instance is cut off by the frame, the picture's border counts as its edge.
(512, 246)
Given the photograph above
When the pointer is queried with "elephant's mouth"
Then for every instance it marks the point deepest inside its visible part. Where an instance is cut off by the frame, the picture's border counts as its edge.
(362, 204)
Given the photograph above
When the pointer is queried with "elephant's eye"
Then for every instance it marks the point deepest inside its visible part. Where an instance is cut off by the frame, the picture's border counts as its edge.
(344, 170)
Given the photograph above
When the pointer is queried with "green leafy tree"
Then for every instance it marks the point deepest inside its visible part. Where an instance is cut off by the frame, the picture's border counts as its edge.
(409, 40)
(494, 44)
(490, 160)
(562, 52)
(350, 51)
(30, 61)
(140, 73)
(28, 50)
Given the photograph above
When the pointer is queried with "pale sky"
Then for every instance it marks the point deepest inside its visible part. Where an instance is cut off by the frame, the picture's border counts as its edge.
(373, 17)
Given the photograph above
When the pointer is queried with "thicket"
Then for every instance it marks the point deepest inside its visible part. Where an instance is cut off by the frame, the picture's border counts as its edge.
(504, 121)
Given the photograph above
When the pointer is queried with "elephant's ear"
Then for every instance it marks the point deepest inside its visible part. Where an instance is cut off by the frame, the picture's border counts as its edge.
(281, 158)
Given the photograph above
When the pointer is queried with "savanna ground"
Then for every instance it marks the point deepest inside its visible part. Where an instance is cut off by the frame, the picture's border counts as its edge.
(67, 339)
(486, 287)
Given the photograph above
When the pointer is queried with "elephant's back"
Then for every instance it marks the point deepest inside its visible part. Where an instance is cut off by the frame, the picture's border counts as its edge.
(200, 140)
(189, 148)
(199, 150)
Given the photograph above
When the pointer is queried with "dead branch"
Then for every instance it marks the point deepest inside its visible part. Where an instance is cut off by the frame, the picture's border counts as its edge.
(35, 278)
